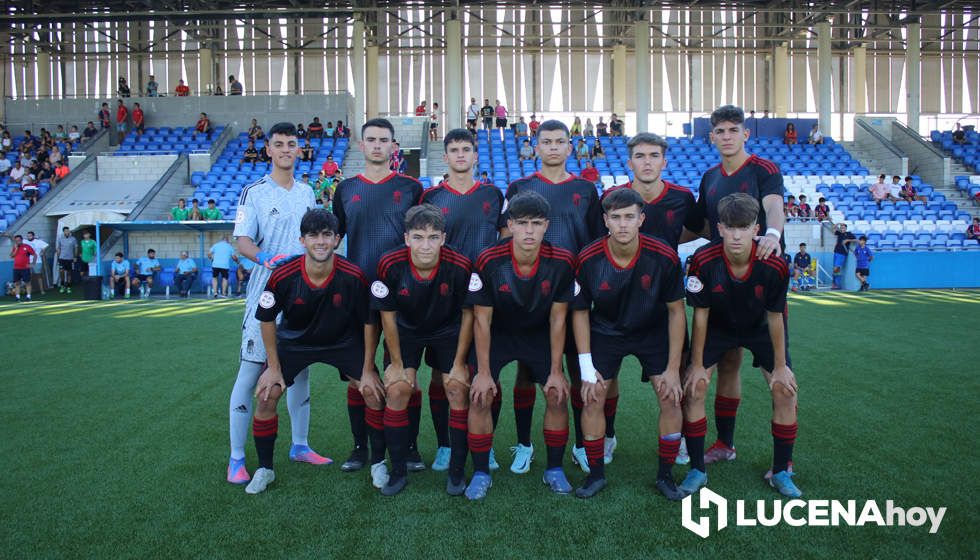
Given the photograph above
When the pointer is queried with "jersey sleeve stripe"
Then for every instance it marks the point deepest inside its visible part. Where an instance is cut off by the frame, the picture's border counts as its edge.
(352, 269)
(490, 254)
(659, 247)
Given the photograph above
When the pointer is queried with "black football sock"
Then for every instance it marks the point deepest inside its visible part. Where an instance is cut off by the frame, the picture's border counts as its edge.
(694, 436)
(396, 439)
(265, 432)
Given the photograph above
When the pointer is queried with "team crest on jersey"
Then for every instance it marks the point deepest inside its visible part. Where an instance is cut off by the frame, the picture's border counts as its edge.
(646, 281)
(577, 288)
(443, 289)
(404, 292)
(240, 216)
(397, 197)
(669, 215)
(267, 300)
(486, 208)
(356, 198)
(338, 300)
(576, 199)
(545, 287)
(744, 187)
(604, 286)
(694, 285)
(445, 211)
(475, 283)
(379, 290)
(759, 292)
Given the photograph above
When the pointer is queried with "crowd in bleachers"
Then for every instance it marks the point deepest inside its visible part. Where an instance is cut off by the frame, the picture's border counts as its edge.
(31, 165)
(963, 143)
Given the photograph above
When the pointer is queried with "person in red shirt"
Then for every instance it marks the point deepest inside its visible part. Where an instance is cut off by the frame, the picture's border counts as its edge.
(182, 90)
(533, 125)
(203, 125)
(138, 122)
(590, 174)
(330, 167)
(60, 172)
(420, 111)
(23, 255)
(122, 115)
(973, 232)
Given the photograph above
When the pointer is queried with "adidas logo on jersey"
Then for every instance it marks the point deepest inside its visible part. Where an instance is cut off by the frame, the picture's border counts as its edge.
(718, 289)
(274, 212)
(504, 288)
(299, 301)
(604, 286)
(403, 292)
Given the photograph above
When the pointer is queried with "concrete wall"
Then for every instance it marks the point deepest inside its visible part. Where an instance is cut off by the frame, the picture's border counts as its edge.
(168, 245)
(924, 160)
(166, 198)
(879, 147)
(134, 168)
(882, 124)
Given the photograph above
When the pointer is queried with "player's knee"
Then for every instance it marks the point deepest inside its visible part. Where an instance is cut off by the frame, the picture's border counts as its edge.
(456, 393)
(398, 392)
(698, 391)
(782, 396)
(373, 402)
(556, 402)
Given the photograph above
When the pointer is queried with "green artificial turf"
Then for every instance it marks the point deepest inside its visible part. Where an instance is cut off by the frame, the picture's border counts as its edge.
(116, 442)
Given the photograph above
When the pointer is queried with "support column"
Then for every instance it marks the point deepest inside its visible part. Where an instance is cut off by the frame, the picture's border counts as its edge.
(371, 82)
(453, 104)
(619, 79)
(825, 100)
(913, 60)
(208, 82)
(780, 80)
(43, 74)
(641, 31)
(860, 80)
(357, 64)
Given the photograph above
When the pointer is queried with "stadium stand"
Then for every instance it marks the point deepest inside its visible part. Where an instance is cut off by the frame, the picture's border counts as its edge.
(166, 140)
(12, 204)
(967, 153)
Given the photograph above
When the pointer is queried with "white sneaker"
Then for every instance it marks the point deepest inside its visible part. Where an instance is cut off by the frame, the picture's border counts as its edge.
(523, 455)
(581, 459)
(682, 457)
(610, 446)
(379, 475)
(261, 479)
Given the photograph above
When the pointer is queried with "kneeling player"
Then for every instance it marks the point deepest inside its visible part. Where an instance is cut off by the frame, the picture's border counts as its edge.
(738, 302)
(420, 293)
(629, 300)
(324, 304)
(520, 292)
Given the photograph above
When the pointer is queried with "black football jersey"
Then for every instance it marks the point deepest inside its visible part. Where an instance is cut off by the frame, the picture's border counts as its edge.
(325, 317)
(665, 215)
(575, 218)
(738, 305)
(372, 216)
(757, 177)
(521, 303)
(628, 300)
(471, 217)
(426, 307)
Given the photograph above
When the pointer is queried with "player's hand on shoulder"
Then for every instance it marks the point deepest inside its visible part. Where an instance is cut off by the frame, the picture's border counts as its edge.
(767, 245)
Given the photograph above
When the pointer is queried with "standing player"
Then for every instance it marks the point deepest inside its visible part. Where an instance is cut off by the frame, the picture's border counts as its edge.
(520, 291)
(267, 226)
(760, 179)
(739, 302)
(370, 209)
(575, 217)
(471, 210)
(323, 300)
(630, 301)
(666, 207)
(420, 292)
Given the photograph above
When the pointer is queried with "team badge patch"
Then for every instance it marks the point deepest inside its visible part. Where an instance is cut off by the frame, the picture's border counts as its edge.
(694, 285)
(475, 283)
(240, 216)
(267, 300)
(379, 290)
(578, 288)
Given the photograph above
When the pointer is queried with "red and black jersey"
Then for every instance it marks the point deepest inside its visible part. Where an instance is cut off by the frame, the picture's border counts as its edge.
(325, 317)
(521, 303)
(628, 300)
(575, 218)
(471, 217)
(666, 214)
(757, 177)
(427, 307)
(372, 216)
(738, 305)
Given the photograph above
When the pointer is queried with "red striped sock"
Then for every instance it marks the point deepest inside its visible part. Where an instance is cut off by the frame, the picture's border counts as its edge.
(783, 439)
(264, 432)
(694, 436)
(480, 446)
(524, 398)
(555, 440)
(595, 451)
(726, 408)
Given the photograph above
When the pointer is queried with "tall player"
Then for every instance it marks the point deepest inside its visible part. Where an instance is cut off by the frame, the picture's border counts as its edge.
(760, 179)
(267, 226)
(666, 207)
(324, 305)
(739, 302)
(520, 293)
(370, 209)
(471, 210)
(420, 293)
(629, 301)
(575, 220)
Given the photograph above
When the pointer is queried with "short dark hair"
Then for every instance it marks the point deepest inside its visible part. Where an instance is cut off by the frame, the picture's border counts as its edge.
(802, 244)
(317, 220)
(181, 200)
(283, 128)
(618, 199)
(895, 177)
(727, 113)
(738, 210)
(378, 123)
(882, 176)
(150, 251)
(822, 200)
(18, 236)
(458, 135)
(119, 254)
(553, 124)
(66, 227)
(908, 177)
(30, 233)
(424, 216)
(863, 238)
(528, 204)
(647, 138)
(211, 201)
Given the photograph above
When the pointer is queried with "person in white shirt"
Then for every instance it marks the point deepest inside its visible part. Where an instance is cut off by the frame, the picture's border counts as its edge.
(37, 270)
(816, 137)
(472, 113)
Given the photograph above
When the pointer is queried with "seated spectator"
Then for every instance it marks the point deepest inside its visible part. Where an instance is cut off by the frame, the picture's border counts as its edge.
(597, 151)
(328, 132)
(182, 90)
(322, 188)
(255, 131)
(180, 212)
(220, 255)
(244, 273)
(880, 191)
(615, 126)
(145, 268)
(54, 156)
(895, 189)
(582, 150)
(804, 209)
(74, 136)
(330, 167)
(152, 87)
(46, 173)
(17, 172)
(306, 152)
(5, 164)
(90, 130)
(218, 91)
(251, 155)
(184, 274)
(119, 276)
(212, 212)
(801, 269)
(909, 193)
(123, 88)
(195, 213)
(790, 208)
(60, 135)
(601, 128)
(28, 143)
(28, 188)
(264, 156)
(863, 258)
(520, 128)
(203, 126)
(527, 152)
(959, 135)
(60, 172)
(315, 129)
(533, 125)
(789, 137)
(485, 179)
(341, 131)
(301, 132)
(590, 174)
(6, 142)
(576, 129)
(973, 231)
(589, 130)
(815, 136)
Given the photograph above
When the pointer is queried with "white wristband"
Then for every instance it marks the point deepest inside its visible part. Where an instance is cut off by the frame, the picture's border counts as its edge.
(586, 368)
(774, 231)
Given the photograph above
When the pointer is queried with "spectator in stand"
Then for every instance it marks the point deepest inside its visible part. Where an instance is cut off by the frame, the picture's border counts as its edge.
(520, 128)
(24, 257)
(582, 151)
(251, 154)
(973, 231)
(472, 114)
(220, 255)
(322, 187)
(527, 152)
(590, 173)
(5, 164)
(790, 208)
(533, 125)
(6, 142)
(203, 126)
(341, 131)
(844, 238)
(60, 172)
(235, 87)
(862, 270)
(880, 191)
(60, 135)
(434, 122)
(397, 162)
(959, 135)
(485, 179)
(487, 113)
(46, 173)
(218, 92)
(182, 89)
(615, 126)
(500, 112)
(244, 272)
(17, 172)
(306, 152)
(28, 187)
(211, 213)
(330, 167)
(180, 212)
(420, 110)
(122, 117)
(152, 86)
(329, 130)
(90, 130)
(601, 128)
(146, 267)
(55, 155)
(255, 131)
(805, 211)
(801, 268)
(264, 154)
(105, 116)
(184, 274)
(789, 137)
(895, 189)
(74, 136)
(815, 136)
(588, 130)
(315, 129)
(301, 132)
(123, 88)
(195, 213)
(139, 123)
(119, 276)
(576, 129)
(597, 150)
(909, 193)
